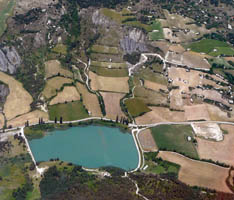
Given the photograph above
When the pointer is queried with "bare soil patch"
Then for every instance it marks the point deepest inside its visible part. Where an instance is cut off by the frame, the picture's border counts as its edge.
(160, 114)
(53, 85)
(177, 48)
(18, 101)
(1, 120)
(176, 101)
(53, 68)
(68, 94)
(196, 173)
(111, 84)
(218, 151)
(32, 117)
(112, 104)
(147, 141)
(90, 100)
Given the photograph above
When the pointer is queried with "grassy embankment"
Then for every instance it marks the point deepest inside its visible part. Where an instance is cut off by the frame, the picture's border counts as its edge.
(174, 138)
(157, 32)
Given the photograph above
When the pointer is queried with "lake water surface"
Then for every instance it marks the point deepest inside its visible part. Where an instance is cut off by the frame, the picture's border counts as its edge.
(89, 146)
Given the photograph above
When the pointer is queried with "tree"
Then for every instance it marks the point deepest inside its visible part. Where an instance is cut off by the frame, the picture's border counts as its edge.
(55, 120)
(61, 120)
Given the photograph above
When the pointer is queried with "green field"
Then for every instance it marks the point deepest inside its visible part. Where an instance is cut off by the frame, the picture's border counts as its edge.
(174, 138)
(227, 51)
(68, 111)
(157, 32)
(208, 45)
(6, 8)
(104, 49)
(136, 107)
(159, 166)
(109, 72)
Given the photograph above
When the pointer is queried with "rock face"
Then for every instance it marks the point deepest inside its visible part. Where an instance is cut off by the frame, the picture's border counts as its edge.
(99, 19)
(4, 91)
(9, 60)
(134, 41)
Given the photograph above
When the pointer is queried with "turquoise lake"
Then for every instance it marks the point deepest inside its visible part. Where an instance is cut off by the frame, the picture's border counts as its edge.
(89, 146)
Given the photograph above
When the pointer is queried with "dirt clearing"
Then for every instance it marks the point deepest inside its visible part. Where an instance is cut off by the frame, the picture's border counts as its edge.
(18, 101)
(1, 120)
(218, 151)
(196, 173)
(90, 100)
(147, 141)
(110, 84)
(32, 117)
(68, 94)
(196, 112)
(112, 104)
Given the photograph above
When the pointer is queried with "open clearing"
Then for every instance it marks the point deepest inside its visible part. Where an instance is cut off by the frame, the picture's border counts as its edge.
(154, 86)
(157, 32)
(32, 117)
(68, 94)
(6, 8)
(90, 100)
(18, 101)
(136, 107)
(53, 85)
(104, 49)
(196, 173)
(112, 104)
(101, 71)
(1, 120)
(197, 112)
(111, 84)
(218, 151)
(60, 48)
(54, 68)
(147, 141)
(108, 64)
(160, 114)
(208, 46)
(68, 111)
(174, 138)
(150, 97)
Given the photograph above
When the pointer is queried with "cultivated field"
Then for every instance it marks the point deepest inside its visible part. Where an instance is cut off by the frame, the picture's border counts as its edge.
(157, 32)
(53, 85)
(176, 101)
(160, 114)
(218, 115)
(147, 141)
(32, 117)
(218, 151)
(154, 86)
(60, 48)
(69, 111)
(53, 68)
(18, 101)
(197, 112)
(196, 173)
(112, 104)
(175, 138)
(68, 94)
(111, 84)
(90, 100)
(136, 107)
